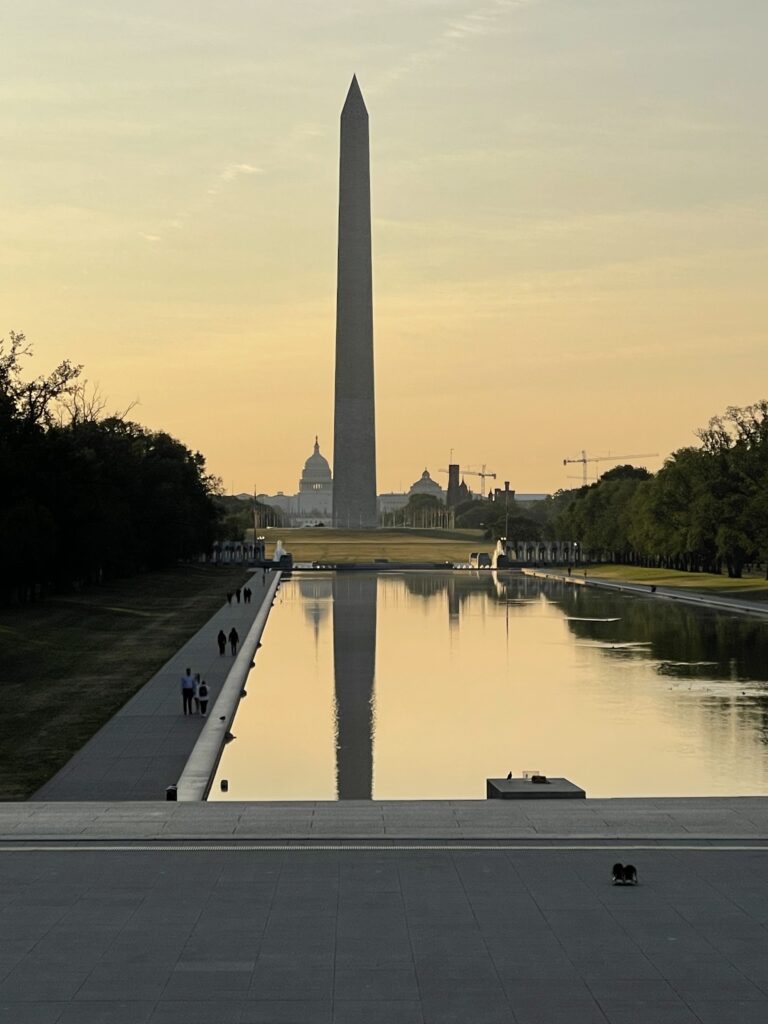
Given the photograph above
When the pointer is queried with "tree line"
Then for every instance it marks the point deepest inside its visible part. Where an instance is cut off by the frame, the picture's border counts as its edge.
(84, 496)
(237, 516)
(706, 510)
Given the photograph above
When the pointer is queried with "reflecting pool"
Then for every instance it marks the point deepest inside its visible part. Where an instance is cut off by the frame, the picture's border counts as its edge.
(422, 685)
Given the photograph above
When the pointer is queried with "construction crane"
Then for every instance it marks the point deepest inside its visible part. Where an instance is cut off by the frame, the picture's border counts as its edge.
(482, 473)
(583, 459)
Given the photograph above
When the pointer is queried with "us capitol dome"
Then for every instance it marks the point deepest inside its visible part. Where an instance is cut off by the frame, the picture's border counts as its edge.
(315, 498)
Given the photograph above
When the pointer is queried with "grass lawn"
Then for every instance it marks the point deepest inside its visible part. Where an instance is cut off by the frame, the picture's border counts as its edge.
(68, 664)
(751, 588)
(321, 545)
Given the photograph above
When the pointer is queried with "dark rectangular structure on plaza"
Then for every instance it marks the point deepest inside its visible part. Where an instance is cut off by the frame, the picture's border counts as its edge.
(524, 789)
(354, 429)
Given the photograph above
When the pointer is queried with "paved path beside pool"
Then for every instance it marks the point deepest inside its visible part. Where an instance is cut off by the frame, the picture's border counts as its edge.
(715, 601)
(144, 747)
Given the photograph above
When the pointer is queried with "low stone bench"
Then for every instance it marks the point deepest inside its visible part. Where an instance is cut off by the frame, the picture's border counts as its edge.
(524, 789)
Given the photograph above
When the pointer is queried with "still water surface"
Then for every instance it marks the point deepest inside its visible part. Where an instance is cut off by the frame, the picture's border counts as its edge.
(422, 685)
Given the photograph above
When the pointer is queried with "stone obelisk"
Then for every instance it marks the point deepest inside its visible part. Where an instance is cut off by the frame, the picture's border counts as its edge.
(354, 430)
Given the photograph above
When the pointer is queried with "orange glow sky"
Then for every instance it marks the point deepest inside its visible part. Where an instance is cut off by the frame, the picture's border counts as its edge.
(569, 221)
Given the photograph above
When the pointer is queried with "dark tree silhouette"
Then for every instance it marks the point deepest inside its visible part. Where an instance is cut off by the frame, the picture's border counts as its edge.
(83, 498)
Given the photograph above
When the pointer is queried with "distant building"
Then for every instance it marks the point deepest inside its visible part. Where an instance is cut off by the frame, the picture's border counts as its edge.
(282, 501)
(395, 500)
(499, 492)
(426, 485)
(452, 498)
(314, 502)
(391, 502)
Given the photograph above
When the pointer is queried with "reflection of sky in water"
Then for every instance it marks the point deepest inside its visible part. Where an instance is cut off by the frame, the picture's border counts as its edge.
(411, 685)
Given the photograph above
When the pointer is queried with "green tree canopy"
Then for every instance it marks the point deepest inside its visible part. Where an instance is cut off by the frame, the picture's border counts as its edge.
(705, 509)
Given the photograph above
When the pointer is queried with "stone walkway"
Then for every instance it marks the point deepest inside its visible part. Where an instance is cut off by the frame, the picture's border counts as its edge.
(385, 936)
(664, 819)
(145, 747)
(423, 912)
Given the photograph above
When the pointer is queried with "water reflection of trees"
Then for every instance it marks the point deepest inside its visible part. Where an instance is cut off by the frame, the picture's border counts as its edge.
(425, 584)
(725, 646)
(686, 642)
(459, 586)
(464, 586)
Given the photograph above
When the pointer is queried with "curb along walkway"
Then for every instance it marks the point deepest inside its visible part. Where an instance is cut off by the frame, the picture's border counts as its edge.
(200, 768)
(729, 604)
(145, 746)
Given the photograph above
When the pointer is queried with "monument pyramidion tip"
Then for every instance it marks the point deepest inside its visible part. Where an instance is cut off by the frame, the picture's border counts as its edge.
(354, 103)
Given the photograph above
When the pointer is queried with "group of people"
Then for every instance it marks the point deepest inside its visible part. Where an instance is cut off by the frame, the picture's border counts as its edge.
(234, 640)
(194, 694)
(194, 690)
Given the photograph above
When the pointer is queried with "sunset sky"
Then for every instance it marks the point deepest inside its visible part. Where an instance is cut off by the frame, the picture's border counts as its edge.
(570, 221)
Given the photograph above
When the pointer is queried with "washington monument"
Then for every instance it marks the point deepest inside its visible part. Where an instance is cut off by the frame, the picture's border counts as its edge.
(354, 428)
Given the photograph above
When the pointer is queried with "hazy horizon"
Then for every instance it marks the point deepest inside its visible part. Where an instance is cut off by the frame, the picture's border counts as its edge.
(570, 237)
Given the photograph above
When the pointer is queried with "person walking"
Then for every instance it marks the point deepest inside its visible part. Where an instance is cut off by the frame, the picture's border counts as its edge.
(234, 640)
(195, 694)
(202, 693)
(229, 597)
(221, 639)
(187, 691)
(237, 595)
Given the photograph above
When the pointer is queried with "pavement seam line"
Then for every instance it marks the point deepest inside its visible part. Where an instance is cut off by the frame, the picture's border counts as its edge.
(78, 846)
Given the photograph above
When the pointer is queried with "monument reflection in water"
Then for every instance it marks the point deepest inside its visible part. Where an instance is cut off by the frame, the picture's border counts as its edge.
(354, 670)
(418, 685)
